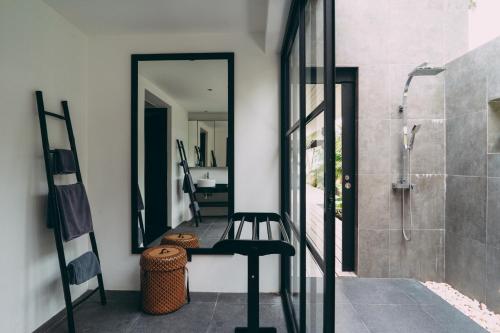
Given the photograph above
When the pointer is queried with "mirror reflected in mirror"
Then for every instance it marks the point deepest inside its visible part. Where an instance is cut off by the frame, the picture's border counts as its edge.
(182, 149)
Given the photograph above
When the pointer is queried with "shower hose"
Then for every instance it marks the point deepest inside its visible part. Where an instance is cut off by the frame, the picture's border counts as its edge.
(409, 200)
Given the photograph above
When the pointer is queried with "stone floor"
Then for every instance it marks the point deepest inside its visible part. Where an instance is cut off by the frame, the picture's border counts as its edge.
(395, 305)
(207, 312)
(362, 306)
(209, 231)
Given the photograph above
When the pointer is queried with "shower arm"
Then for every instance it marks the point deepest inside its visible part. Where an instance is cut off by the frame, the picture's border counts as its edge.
(402, 107)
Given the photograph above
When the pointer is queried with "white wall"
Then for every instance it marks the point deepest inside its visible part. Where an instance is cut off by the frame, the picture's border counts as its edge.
(39, 50)
(178, 211)
(256, 137)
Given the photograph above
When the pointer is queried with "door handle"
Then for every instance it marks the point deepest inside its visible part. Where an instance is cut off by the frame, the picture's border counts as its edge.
(347, 183)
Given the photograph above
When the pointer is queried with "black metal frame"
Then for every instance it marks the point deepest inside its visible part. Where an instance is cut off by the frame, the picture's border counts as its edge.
(194, 206)
(135, 59)
(348, 78)
(296, 24)
(54, 221)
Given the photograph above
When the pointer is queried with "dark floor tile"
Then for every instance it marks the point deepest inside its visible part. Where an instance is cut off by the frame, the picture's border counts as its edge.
(228, 316)
(375, 291)
(396, 319)
(418, 292)
(340, 296)
(200, 297)
(112, 317)
(118, 296)
(241, 298)
(191, 318)
(215, 231)
(208, 242)
(347, 320)
(451, 320)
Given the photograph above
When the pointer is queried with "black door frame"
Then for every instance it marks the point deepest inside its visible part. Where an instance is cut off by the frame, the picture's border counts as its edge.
(348, 78)
(135, 59)
(296, 25)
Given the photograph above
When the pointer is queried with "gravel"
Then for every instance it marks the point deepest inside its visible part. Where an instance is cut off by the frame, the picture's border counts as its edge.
(470, 307)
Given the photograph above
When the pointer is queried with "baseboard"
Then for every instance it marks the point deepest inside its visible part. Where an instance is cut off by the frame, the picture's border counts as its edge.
(59, 317)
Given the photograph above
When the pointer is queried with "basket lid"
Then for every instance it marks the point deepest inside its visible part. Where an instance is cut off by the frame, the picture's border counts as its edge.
(180, 237)
(163, 258)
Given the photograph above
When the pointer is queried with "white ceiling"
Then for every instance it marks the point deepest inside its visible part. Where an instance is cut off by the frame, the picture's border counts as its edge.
(266, 17)
(188, 82)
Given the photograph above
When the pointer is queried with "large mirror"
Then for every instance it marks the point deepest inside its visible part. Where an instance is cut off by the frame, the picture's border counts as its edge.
(182, 147)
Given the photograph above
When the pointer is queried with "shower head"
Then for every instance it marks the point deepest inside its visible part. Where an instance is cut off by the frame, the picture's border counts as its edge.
(426, 70)
(413, 133)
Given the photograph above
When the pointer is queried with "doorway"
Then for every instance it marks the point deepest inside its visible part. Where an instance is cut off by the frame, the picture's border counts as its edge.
(203, 147)
(345, 171)
(155, 172)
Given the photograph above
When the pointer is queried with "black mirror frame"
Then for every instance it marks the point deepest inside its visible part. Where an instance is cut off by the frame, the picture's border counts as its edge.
(135, 58)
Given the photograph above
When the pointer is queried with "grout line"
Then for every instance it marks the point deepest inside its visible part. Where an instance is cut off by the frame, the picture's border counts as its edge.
(215, 307)
(131, 326)
(485, 276)
(467, 176)
(445, 135)
(358, 315)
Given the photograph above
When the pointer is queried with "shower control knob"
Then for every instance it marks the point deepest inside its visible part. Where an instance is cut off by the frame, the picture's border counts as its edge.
(346, 177)
(347, 185)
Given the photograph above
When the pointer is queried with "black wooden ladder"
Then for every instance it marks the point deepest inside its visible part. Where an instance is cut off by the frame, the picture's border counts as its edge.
(188, 184)
(55, 223)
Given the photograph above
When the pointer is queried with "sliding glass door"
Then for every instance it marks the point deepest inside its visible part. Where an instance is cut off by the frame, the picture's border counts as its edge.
(308, 177)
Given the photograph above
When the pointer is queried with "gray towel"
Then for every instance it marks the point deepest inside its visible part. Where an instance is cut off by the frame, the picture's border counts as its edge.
(74, 210)
(83, 268)
(64, 161)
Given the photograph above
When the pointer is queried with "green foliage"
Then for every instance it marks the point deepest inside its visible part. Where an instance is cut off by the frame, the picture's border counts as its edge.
(338, 175)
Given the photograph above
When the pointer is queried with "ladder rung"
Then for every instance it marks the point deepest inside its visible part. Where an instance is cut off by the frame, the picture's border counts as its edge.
(55, 115)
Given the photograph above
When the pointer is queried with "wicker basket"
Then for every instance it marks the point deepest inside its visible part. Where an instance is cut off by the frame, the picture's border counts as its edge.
(185, 240)
(163, 279)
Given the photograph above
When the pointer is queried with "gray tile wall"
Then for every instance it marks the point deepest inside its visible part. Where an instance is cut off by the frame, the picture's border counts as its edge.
(386, 39)
(473, 170)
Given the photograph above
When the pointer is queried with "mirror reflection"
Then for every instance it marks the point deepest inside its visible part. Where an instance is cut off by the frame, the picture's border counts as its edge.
(207, 140)
(182, 141)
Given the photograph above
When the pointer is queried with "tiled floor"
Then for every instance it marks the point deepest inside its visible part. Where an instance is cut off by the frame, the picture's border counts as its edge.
(207, 312)
(395, 305)
(208, 232)
(362, 306)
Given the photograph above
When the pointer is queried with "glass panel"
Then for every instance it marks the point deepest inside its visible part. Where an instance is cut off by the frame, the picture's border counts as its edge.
(295, 275)
(295, 177)
(293, 70)
(314, 295)
(314, 54)
(315, 185)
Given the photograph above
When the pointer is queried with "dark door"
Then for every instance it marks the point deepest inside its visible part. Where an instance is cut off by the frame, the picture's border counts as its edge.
(155, 172)
(203, 147)
(346, 165)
